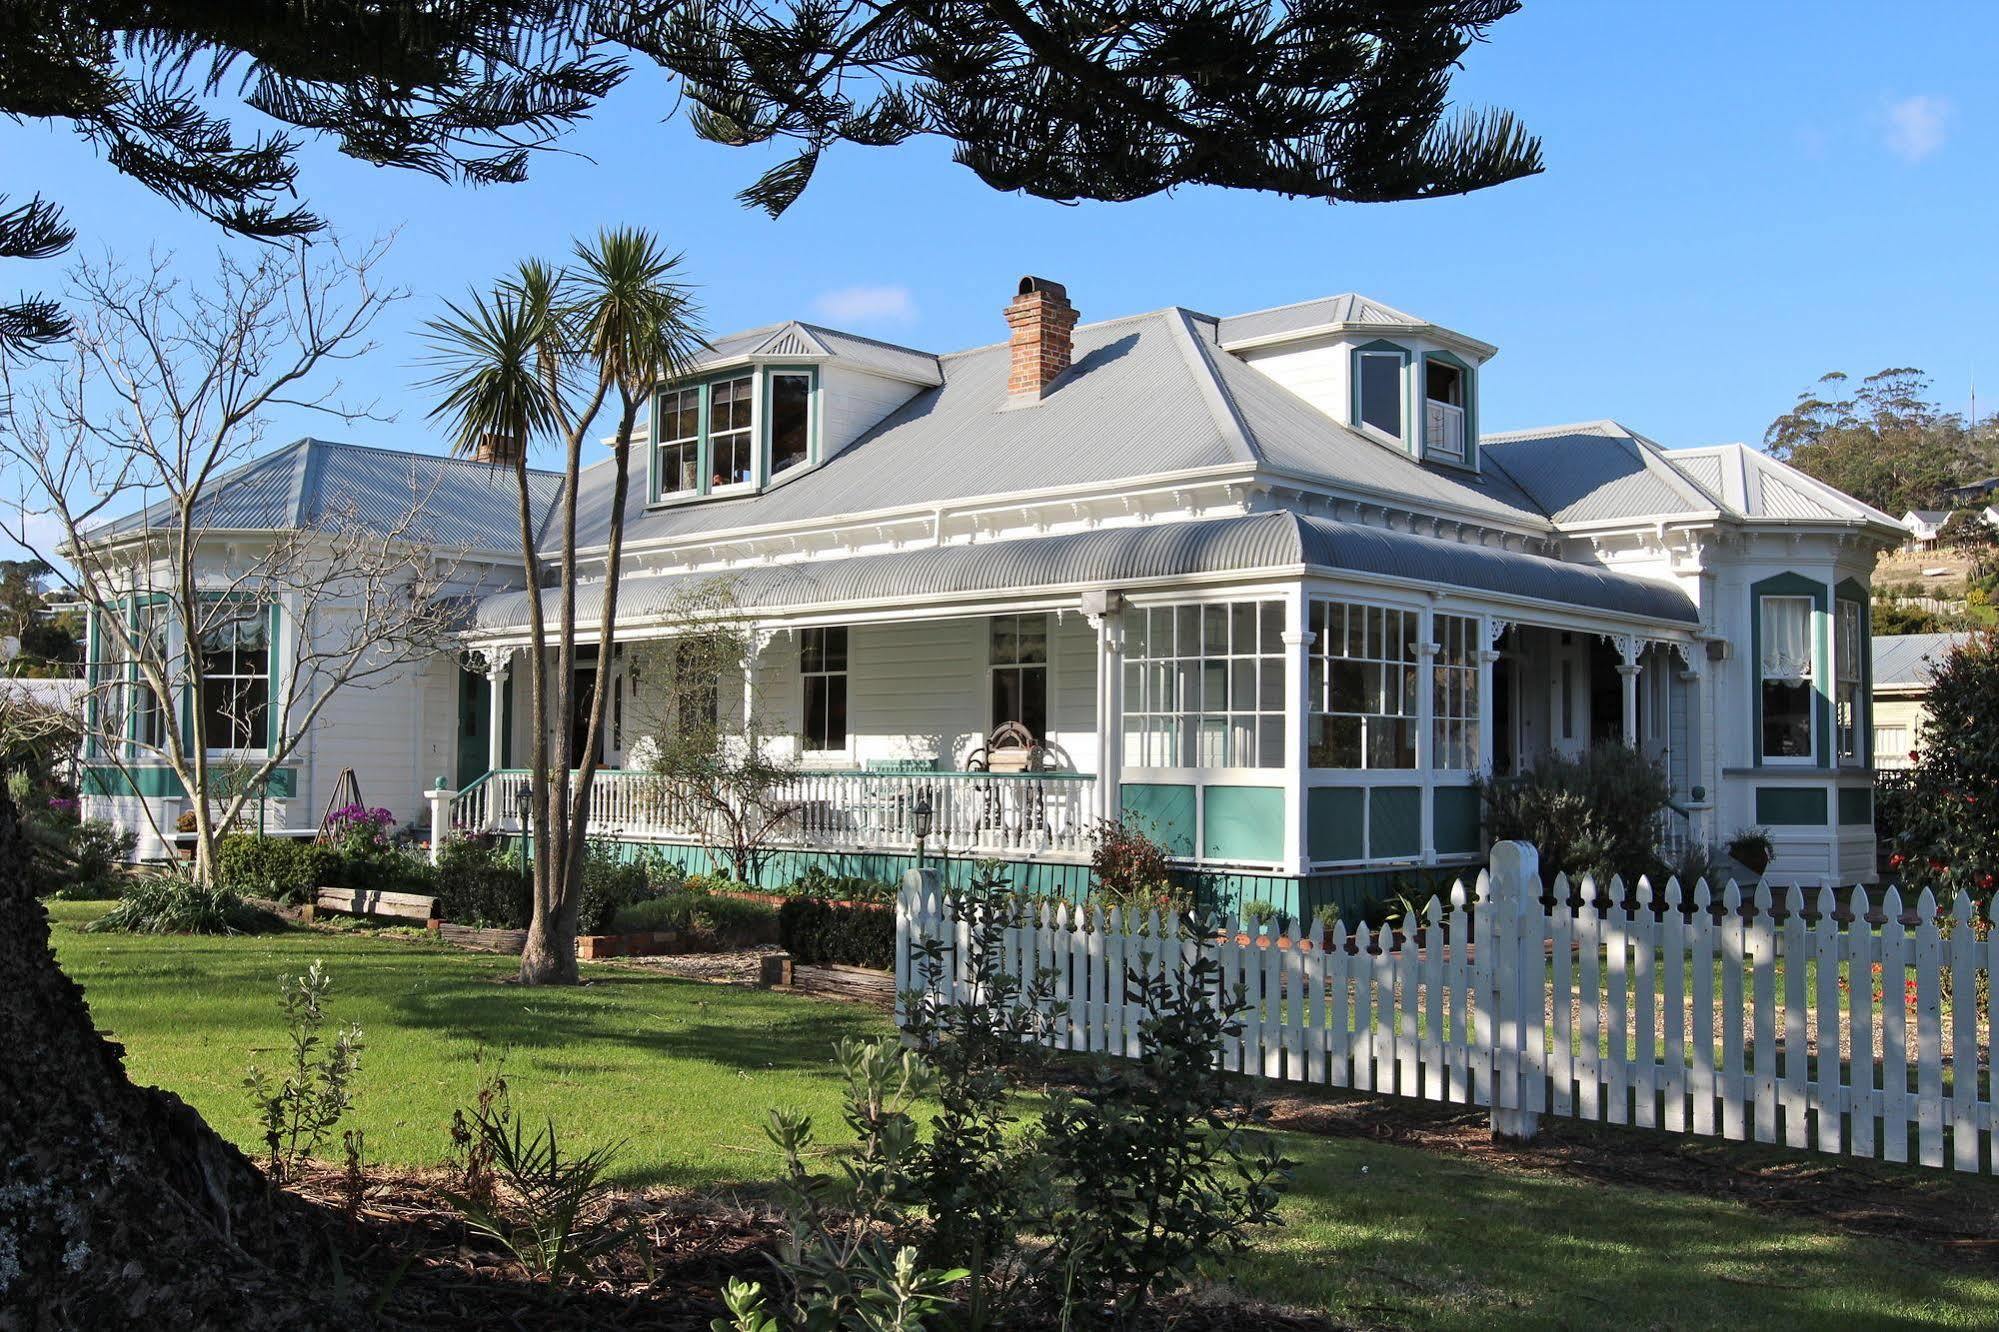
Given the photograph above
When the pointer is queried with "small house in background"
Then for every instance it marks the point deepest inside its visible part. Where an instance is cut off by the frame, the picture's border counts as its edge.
(1925, 526)
(1903, 667)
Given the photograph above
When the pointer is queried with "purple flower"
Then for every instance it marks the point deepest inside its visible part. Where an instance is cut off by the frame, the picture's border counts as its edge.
(65, 807)
(360, 819)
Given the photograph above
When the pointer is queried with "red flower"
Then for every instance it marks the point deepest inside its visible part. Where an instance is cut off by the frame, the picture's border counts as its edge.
(1895, 861)
(1985, 881)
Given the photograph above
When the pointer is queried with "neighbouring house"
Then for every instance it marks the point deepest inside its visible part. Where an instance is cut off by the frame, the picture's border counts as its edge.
(1959, 496)
(1256, 582)
(1903, 666)
(1925, 526)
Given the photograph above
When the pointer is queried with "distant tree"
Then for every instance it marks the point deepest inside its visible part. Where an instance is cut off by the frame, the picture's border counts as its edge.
(1885, 443)
(1341, 100)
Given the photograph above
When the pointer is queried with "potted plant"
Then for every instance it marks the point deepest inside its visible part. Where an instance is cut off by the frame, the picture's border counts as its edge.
(1752, 847)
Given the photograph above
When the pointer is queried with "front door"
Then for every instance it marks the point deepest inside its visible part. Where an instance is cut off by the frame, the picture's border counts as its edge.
(475, 706)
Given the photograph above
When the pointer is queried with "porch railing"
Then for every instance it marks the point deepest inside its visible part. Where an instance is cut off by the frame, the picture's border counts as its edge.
(973, 813)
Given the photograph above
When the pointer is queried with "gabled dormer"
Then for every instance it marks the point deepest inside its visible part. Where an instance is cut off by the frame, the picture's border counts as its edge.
(1398, 380)
(761, 407)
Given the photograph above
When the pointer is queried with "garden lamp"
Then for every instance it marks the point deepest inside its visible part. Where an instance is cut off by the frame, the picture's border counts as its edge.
(922, 812)
(524, 801)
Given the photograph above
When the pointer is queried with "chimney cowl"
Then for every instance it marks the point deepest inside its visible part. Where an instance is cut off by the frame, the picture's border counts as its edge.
(496, 449)
(1042, 345)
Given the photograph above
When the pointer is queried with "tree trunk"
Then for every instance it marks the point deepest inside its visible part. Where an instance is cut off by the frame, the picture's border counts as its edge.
(119, 1206)
(549, 956)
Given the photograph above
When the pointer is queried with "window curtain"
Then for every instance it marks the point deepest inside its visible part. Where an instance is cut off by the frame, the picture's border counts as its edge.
(1787, 639)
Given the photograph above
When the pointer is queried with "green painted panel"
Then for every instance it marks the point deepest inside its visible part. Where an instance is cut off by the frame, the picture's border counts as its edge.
(1335, 823)
(1394, 822)
(1162, 811)
(1856, 805)
(1457, 821)
(1791, 806)
(1243, 823)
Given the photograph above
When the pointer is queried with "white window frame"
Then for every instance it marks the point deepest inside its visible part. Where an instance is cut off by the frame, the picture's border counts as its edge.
(1258, 662)
(1846, 682)
(1462, 408)
(664, 442)
(213, 614)
(748, 433)
(1320, 685)
(1464, 638)
(1809, 679)
(807, 674)
(768, 396)
(1401, 362)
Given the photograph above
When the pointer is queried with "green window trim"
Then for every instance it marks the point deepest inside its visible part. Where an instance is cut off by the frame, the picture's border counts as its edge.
(1794, 585)
(1378, 347)
(761, 377)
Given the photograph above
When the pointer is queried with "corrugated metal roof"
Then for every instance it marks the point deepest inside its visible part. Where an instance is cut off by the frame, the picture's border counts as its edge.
(1592, 472)
(1108, 557)
(453, 503)
(1909, 659)
(1129, 408)
(1347, 308)
(1752, 484)
(794, 338)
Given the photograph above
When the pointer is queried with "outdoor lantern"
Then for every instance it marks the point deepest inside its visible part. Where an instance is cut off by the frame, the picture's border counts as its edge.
(921, 812)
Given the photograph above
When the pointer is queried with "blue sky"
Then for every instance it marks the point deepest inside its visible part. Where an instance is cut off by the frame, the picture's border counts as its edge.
(1738, 198)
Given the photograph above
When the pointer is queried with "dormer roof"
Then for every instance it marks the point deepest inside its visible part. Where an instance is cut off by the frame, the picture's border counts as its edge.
(1752, 484)
(794, 340)
(1348, 312)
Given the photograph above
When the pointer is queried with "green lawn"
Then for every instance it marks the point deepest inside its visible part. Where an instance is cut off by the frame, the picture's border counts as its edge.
(1378, 1235)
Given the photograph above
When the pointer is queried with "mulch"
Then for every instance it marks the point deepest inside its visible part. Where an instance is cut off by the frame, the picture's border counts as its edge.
(416, 1265)
(1954, 1216)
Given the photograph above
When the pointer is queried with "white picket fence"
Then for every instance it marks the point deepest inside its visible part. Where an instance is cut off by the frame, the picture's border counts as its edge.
(1713, 1016)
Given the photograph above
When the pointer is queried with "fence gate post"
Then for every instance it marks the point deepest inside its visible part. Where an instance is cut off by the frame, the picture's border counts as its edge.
(912, 906)
(440, 816)
(1515, 886)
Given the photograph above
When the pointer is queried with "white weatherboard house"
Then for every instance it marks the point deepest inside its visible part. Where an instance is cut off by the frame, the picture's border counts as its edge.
(1256, 581)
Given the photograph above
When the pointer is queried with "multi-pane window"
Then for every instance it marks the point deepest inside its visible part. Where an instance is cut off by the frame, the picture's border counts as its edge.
(1846, 681)
(822, 662)
(236, 682)
(1204, 686)
(1786, 678)
(1380, 390)
(1454, 705)
(678, 465)
(1019, 660)
(697, 691)
(790, 421)
(1365, 706)
(731, 446)
(148, 718)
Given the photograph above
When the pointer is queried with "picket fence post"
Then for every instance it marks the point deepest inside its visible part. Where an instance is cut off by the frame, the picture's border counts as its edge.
(1511, 931)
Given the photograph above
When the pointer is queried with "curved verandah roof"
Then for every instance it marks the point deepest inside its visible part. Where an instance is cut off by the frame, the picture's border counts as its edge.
(1119, 556)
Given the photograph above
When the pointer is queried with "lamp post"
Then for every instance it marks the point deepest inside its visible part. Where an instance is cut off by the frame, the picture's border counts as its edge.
(923, 812)
(524, 803)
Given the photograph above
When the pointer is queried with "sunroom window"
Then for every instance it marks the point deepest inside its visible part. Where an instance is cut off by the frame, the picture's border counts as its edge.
(730, 441)
(236, 684)
(1204, 686)
(679, 451)
(1454, 708)
(1365, 708)
(1786, 679)
(1380, 391)
(1443, 410)
(790, 421)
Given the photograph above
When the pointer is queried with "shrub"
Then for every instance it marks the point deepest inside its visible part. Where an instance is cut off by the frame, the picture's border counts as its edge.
(817, 882)
(1597, 814)
(279, 868)
(609, 885)
(1752, 846)
(727, 922)
(1129, 868)
(80, 859)
(1950, 843)
(171, 902)
(818, 932)
(299, 1112)
(474, 885)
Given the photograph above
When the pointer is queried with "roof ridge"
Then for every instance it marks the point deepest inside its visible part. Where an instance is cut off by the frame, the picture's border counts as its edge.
(1222, 406)
(1486, 458)
(883, 343)
(1542, 432)
(1159, 313)
(451, 458)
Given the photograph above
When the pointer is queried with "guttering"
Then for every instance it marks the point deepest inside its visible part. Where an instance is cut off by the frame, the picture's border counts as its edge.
(1484, 351)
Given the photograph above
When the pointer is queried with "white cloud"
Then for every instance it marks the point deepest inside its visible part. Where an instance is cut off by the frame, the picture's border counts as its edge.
(1915, 126)
(867, 305)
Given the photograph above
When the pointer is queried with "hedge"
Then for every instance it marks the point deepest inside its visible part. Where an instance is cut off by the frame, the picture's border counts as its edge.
(280, 868)
(818, 932)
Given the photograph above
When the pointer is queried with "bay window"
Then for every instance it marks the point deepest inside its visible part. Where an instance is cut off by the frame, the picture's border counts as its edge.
(236, 682)
(1846, 701)
(1204, 685)
(1365, 706)
(1785, 671)
(1443, 410)
(710, 437)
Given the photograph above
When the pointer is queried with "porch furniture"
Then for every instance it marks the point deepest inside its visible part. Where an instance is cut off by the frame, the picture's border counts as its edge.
(1011, 748)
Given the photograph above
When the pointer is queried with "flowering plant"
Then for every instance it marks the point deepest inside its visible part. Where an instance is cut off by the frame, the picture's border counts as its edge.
(361, 822)
(65, 807)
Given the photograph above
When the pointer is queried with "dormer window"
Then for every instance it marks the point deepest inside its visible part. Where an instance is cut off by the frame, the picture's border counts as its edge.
(734, 432)
(1443, 410)
(1378, 390)
(790, 421)
(731, 442)
(678, 469)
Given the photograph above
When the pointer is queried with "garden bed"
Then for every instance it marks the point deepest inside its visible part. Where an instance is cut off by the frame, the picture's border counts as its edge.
(861, 985)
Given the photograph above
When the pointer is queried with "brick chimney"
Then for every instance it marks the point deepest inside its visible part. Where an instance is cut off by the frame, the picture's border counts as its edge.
(1043, 324)
(496, 449)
